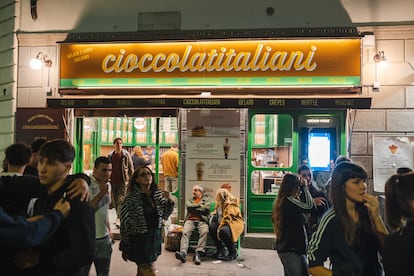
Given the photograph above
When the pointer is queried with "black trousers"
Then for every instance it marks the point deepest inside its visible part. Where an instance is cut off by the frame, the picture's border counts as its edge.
(224, 234)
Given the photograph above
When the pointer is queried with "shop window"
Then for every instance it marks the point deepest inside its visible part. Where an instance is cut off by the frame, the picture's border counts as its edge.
(272, 140)
(271, 148)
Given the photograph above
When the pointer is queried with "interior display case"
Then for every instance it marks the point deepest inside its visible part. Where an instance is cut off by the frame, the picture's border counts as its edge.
(99, 133)
(266, 182)
(272, 140)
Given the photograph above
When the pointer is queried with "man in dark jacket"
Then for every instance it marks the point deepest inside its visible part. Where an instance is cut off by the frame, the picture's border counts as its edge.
(319, 198)
(122, 169)
(17, 191)
(73, 244)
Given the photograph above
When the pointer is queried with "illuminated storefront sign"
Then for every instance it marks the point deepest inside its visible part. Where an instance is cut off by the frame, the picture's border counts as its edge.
(304, 62)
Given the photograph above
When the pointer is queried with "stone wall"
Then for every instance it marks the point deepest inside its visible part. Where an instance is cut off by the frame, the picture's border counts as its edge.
(392, 110)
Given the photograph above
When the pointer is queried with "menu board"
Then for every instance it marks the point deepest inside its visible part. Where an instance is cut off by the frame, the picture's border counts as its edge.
(213, 150)
(389, 154)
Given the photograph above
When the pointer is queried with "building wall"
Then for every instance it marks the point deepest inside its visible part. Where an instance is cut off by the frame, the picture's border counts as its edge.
(392, 110)
(8, 62)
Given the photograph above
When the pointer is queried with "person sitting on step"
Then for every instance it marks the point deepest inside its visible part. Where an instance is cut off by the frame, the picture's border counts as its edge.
(228, 226)
(198, 213)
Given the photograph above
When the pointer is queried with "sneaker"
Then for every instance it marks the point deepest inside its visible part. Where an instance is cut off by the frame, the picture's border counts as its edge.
(180, 255)
(196, 258)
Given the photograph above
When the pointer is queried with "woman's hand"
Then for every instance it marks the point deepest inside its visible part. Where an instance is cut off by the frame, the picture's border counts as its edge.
(372, 204)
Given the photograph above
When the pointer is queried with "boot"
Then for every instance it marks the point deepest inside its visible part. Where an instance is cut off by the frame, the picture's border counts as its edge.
(232, 254)
(196, 258)
(180, 255)
(220, 253)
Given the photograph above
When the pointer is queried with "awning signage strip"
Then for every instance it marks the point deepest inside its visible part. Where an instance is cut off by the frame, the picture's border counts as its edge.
(271, 103)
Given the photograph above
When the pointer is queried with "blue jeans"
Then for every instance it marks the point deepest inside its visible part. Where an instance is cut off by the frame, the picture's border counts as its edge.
(294, 264)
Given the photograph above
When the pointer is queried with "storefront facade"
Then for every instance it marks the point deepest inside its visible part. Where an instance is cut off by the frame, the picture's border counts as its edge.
(217, 90)
(351, 98)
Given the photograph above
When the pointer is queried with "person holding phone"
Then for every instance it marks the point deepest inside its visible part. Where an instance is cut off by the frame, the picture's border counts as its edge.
(289, 220)
(351, 233)
(142, 214)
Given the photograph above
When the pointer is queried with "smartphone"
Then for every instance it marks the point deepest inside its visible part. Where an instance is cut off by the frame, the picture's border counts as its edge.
(65, 197)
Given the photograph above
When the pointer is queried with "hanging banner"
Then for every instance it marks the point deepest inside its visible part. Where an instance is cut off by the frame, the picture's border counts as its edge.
(212, 151)
(389, 154)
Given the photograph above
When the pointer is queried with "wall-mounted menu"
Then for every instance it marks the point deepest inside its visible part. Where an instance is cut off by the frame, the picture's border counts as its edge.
(389, 154)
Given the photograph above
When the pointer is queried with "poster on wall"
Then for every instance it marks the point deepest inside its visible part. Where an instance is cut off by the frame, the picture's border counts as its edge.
(213, 151)
(389, 154)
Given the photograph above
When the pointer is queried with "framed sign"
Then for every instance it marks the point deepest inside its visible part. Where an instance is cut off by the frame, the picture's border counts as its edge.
(390, 153)
(213, 151)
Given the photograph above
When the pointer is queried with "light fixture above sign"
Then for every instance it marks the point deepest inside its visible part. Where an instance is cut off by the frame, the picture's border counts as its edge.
(40, 59)
(380, 57)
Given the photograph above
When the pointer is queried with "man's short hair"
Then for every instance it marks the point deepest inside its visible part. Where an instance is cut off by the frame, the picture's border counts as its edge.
(18, 154)
(303, 167)
(35, 146)
(101, 160)
(57, 150)
(117, 139)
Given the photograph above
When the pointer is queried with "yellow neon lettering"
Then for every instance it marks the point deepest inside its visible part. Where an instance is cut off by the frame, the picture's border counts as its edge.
(263, 58)
(105, 63)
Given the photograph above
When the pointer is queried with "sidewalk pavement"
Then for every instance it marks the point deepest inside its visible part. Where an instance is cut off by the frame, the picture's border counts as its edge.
(260, 262)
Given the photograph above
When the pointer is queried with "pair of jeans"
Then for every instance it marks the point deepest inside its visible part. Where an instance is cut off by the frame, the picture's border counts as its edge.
(188, 228)
(102, 260)
(294, 264)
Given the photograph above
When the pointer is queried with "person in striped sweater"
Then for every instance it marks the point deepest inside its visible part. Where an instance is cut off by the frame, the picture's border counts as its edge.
(142, 214)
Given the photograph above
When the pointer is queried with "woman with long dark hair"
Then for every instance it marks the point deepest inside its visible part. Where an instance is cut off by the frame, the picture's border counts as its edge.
(142, 213)
(289, 221)
(352, 233)
(399, 209)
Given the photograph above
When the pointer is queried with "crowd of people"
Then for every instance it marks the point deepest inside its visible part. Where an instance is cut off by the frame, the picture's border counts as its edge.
(55, 223)
(347, 234)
